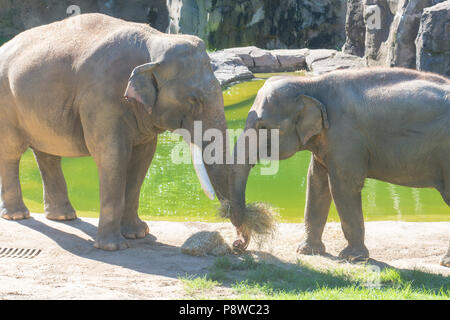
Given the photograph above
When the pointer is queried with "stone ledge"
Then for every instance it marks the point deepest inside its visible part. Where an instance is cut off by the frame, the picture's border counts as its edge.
(238, 64)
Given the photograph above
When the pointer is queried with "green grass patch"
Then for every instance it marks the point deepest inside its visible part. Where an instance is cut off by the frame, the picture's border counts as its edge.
(194, 285)
(252, 279)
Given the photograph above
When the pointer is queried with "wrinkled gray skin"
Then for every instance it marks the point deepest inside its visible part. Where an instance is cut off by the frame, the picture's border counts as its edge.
(387, 124)
(62, 90)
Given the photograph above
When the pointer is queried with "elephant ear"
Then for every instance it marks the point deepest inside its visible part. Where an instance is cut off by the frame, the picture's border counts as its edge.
(312, 118)
(142, 85)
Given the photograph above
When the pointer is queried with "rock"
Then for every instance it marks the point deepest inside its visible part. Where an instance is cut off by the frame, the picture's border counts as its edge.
(260, 60)
(401, 49)
(264, 23)
(432, 43)
(318, 54)
(378, 16)
(245, 54)
(17, 16)
(236, 64)
(291, 59)
(205, 243)
(337, 61)
(264, 61)
(221, 23)
(355, 28)
(229, 67)
(392, 37)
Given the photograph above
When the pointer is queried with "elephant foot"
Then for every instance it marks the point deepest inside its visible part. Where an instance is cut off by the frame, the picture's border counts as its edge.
(136, 229)
(311, 248)
(445, 261)
(65, 213)
(354, 253)
(111, 242)
(19, 213)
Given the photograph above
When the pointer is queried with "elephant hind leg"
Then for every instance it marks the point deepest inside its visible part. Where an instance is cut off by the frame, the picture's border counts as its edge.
(56, 201)
(446, 192)
(12, 147)
(445, 261)
(445, 188)
(12, 206)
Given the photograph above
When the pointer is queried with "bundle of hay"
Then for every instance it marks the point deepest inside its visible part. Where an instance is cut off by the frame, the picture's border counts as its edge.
(205, 242)
(258, 220)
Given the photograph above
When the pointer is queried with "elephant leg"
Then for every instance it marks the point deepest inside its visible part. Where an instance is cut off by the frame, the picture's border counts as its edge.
(12, 146)
(445, 261)
(12, 206)
(346, 191)
(112, 163)
(318, 201)
(131, 226)
(56, 201)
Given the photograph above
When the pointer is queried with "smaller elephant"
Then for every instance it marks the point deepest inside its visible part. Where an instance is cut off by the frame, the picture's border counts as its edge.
(387, 124)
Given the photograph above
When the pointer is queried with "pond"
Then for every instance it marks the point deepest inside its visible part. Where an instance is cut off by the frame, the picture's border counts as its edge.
(172, 191)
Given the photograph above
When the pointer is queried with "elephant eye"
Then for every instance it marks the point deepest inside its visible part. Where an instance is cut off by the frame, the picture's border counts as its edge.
(195, 105)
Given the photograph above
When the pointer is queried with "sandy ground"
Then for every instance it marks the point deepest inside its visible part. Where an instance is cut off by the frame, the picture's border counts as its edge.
(69, 267)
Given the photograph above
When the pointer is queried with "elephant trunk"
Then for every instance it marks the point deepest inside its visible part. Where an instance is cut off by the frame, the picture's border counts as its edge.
(238, 182)
(208, 148)
(239, 177)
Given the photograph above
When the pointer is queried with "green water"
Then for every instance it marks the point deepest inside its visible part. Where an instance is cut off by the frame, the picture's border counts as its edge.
(172, 192)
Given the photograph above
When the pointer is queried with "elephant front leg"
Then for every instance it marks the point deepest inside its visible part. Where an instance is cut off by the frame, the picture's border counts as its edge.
(56, 201)
(131, 226)
(318, 200)
(112, 168)
(346, 192)
(445, 261)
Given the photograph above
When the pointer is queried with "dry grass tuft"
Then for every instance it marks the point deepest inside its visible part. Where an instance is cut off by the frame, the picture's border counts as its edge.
(259, 220)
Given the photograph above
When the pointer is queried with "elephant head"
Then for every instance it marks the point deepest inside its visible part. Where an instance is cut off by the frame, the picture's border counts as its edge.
(279, 105)
(177, 89)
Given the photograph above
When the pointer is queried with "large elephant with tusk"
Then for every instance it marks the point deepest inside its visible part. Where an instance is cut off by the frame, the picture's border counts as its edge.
(98, 86)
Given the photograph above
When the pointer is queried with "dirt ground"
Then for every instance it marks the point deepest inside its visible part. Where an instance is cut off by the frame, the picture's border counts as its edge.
(69, 267)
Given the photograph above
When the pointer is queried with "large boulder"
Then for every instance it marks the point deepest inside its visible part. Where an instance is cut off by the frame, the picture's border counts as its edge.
(378, 16)
(433, 42)
(401, 51)
(390, 30)
(229, 67)
(355, 28)
(336, 61)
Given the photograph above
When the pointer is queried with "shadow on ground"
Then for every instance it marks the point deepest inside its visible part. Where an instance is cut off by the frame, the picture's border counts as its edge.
(254, 269)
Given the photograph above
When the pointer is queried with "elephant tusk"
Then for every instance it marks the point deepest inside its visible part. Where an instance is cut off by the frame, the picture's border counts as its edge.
(200, 170)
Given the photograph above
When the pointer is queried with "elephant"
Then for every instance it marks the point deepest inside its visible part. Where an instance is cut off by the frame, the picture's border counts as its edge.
(389, 124)
(93, 85)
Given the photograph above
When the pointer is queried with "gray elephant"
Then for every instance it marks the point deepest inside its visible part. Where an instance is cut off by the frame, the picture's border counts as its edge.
(387, 124)
(93, 85)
